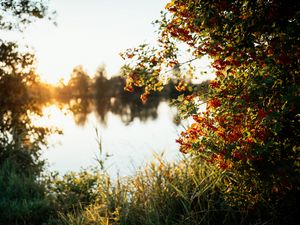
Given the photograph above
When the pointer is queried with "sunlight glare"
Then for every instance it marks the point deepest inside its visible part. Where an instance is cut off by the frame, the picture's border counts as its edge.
(52, 116)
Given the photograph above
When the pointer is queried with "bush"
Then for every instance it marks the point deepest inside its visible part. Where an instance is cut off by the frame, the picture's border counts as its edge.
(22, 197)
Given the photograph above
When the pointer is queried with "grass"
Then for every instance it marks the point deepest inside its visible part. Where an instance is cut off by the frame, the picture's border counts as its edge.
(189, 191)
(186, 192)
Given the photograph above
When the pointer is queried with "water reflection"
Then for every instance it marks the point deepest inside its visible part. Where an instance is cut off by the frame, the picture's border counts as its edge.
(83, 95)
(129, 145)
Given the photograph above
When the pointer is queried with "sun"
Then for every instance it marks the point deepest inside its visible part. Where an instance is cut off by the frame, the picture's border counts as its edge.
(52, 71)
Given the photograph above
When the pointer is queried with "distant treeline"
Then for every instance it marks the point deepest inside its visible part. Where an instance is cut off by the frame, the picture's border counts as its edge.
(84, 94)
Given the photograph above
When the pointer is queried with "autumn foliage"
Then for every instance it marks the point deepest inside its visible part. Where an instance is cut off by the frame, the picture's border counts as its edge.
(251, 122)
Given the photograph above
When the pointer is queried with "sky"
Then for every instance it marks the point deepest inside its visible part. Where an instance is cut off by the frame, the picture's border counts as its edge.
(91, 33)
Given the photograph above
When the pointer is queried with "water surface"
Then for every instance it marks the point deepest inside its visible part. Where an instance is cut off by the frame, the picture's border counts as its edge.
(130, 141)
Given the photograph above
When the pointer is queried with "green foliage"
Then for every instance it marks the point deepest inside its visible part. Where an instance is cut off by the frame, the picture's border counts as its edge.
(22, 197)
(73, 191)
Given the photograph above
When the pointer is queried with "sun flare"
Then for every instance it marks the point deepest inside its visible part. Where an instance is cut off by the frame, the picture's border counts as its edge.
(51, 116)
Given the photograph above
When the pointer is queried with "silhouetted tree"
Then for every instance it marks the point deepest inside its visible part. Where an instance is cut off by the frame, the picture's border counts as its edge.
(22, 198)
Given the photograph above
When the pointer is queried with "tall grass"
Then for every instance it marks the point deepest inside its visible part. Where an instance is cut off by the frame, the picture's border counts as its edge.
(189, 191)
(186, 192)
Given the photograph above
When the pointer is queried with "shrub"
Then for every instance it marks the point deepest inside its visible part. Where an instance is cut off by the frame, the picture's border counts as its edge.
(22, 197)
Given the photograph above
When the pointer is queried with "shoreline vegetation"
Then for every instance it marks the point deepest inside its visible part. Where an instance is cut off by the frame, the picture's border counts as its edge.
(185, 192)
(188, 191)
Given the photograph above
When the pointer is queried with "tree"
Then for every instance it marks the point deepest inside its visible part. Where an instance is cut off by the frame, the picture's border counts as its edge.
(22, 194)
(17, 14)
(79, 83)
(251, 122)
(17, 76)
